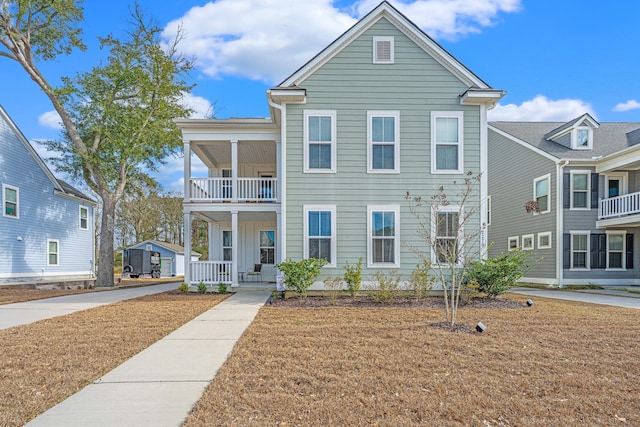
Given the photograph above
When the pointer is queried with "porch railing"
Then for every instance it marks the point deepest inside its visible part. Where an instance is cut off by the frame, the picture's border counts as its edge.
(627, 204)
(210, 272)
(221, 189)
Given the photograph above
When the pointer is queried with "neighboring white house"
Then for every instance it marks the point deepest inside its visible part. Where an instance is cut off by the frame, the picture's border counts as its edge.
(171, 256)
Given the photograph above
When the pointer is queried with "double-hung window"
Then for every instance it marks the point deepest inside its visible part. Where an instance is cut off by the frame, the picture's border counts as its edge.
(384, 236)
(615, 250)
(84, 218)
(383, 131)
(320, 141)
(541, 193)
(320, 233)
(10, 201)
(267, 247)
(580, 250)
(227, 245)
(580, 189)
(447, 142)
(446, 234)
(53, 252)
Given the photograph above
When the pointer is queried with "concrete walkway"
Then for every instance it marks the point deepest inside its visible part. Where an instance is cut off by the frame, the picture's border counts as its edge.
(159, 386)
(615, 298)
(31, 311)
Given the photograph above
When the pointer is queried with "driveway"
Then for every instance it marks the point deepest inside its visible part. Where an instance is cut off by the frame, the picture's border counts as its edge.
(615, 298)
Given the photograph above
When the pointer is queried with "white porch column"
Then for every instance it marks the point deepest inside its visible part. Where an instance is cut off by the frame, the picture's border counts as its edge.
(234, 170)
(279, 239)
(187, 248)
(234, 248)
(279, 169)
(187, 170)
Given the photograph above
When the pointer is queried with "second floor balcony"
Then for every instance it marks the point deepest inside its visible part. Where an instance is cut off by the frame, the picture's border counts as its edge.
(619, 211)
(222, 189)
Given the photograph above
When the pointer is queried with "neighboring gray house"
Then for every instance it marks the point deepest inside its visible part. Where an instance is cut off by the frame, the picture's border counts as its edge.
(585, 178)
(171, 256)
(46, 226)
(380, 111)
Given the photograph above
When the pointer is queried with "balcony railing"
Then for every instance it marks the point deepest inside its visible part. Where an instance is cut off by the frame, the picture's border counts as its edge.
(210, 272)
(221, 189)
(612, 207)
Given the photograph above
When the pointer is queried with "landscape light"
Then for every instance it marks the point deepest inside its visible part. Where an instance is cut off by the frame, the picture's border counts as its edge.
(480, 327)
(529, 303)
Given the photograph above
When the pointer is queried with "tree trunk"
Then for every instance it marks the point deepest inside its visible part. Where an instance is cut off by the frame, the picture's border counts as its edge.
(105, 253)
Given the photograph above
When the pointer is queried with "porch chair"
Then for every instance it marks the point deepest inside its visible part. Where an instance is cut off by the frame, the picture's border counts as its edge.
(256, 272)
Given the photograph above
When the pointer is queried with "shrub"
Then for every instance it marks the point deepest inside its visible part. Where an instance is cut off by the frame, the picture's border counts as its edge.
(299, 275)
(353, 277)
(202, 288)
(183, 288)
(386, 286)
(222, 288)
(469, 291)
(420, 282)
(496, 276)
(333, 285)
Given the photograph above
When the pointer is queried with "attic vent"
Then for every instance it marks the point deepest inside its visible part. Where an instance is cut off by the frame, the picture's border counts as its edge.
(383, 50)
(149, 247)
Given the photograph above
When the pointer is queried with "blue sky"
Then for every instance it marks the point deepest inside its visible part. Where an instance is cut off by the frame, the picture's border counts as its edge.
(555, 59)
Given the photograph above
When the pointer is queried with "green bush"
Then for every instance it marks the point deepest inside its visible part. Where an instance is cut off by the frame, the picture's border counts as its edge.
(386, 286)
(353, 277)
(222, 288)
(420, 282)
(202, 288)
(299, 275)
(496, 276)
(184, 288)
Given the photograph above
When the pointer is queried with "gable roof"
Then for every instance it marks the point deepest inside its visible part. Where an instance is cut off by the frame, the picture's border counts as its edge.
(169, 246)
(571, 124)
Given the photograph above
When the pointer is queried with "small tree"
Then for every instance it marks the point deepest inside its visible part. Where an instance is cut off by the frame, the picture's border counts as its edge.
(497, 275)
(300, 275)
(353, 277)
(451, 229)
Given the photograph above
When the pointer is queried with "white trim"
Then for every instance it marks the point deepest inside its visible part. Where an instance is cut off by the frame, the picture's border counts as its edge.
(588, 190)
(320, 208)
(396, 143)
(526, 237)
(80, 209)
(511, 239)
(623, 177)
(378, 39)
(535, 181)
(588, 250)
(459, 115)
(435, 210)
(485, 198)
(396, 243)
(57, 253)
(546, 234)
(4, 201)
(624, 249)
(332, 143)
(574, 138)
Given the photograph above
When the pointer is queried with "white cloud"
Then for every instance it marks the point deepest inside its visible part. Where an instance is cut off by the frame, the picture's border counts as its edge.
(631, 104)
(50, 119)
(268, 39)
(541, 109)
(201, 107)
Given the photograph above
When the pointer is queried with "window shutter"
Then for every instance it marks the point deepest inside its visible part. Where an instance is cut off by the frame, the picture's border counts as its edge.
(594, 251)
(629, 251)
(566, 188)
(602, 251)
(595, 178)
(566, 250)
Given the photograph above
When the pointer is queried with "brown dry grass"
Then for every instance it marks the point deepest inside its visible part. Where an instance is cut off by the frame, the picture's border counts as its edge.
(44, 362)
(554, 364)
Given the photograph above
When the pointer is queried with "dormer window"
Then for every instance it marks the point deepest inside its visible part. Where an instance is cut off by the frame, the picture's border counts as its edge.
(583, 138)
(383, 50)
(576, 134)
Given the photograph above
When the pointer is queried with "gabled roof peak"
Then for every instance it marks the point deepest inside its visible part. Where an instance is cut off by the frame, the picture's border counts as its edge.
(570, 125)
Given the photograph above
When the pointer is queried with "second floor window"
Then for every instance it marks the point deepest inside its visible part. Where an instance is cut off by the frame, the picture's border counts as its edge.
(541, 193)
(84, 218)
(383, 141)
(320, 141)
(446, 142)
(10, 201)
(580, 190)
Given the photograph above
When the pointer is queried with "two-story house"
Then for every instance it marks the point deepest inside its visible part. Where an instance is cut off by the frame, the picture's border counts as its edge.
(382, 110)
(581, 182)
(47, 230)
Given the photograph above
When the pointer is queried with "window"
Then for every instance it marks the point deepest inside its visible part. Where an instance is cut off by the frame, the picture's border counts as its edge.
(544, 240)
(527, 242)
(446, 223)
(320, 233)
(615, 250)
(384, 236)
(10, 202)
(580, 250)
(383, 50)
(541, 193)
(580, 189)
(267, 247)
(582, 138)
(84, 218)
(227, 245)
(446, 142)
(615, 184)
(52, 252)
(513, 243)
(320, 141)
(383, 134)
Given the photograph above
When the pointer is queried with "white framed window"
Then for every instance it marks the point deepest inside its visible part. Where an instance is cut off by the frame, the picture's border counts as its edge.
(10, 201)
(267, 247)
(227, 245)
(527, 242)
(383, 141)
(446, 233)
(582, 138)
(514, 243)
(447, 141)
(544, 240)
(383, 243)
(616, 243)
(53, 252)
(580, 247)
(320, 141)
(615, 184)
(541, 194)
(383, 50)
(84, 218)
(320, 233)
(580, 190)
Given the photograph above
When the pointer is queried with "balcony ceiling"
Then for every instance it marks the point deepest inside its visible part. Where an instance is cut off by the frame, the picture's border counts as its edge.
(217, 153)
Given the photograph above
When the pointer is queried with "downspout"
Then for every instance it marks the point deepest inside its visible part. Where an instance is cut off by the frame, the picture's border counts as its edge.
(282, 178)
(560, 165)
